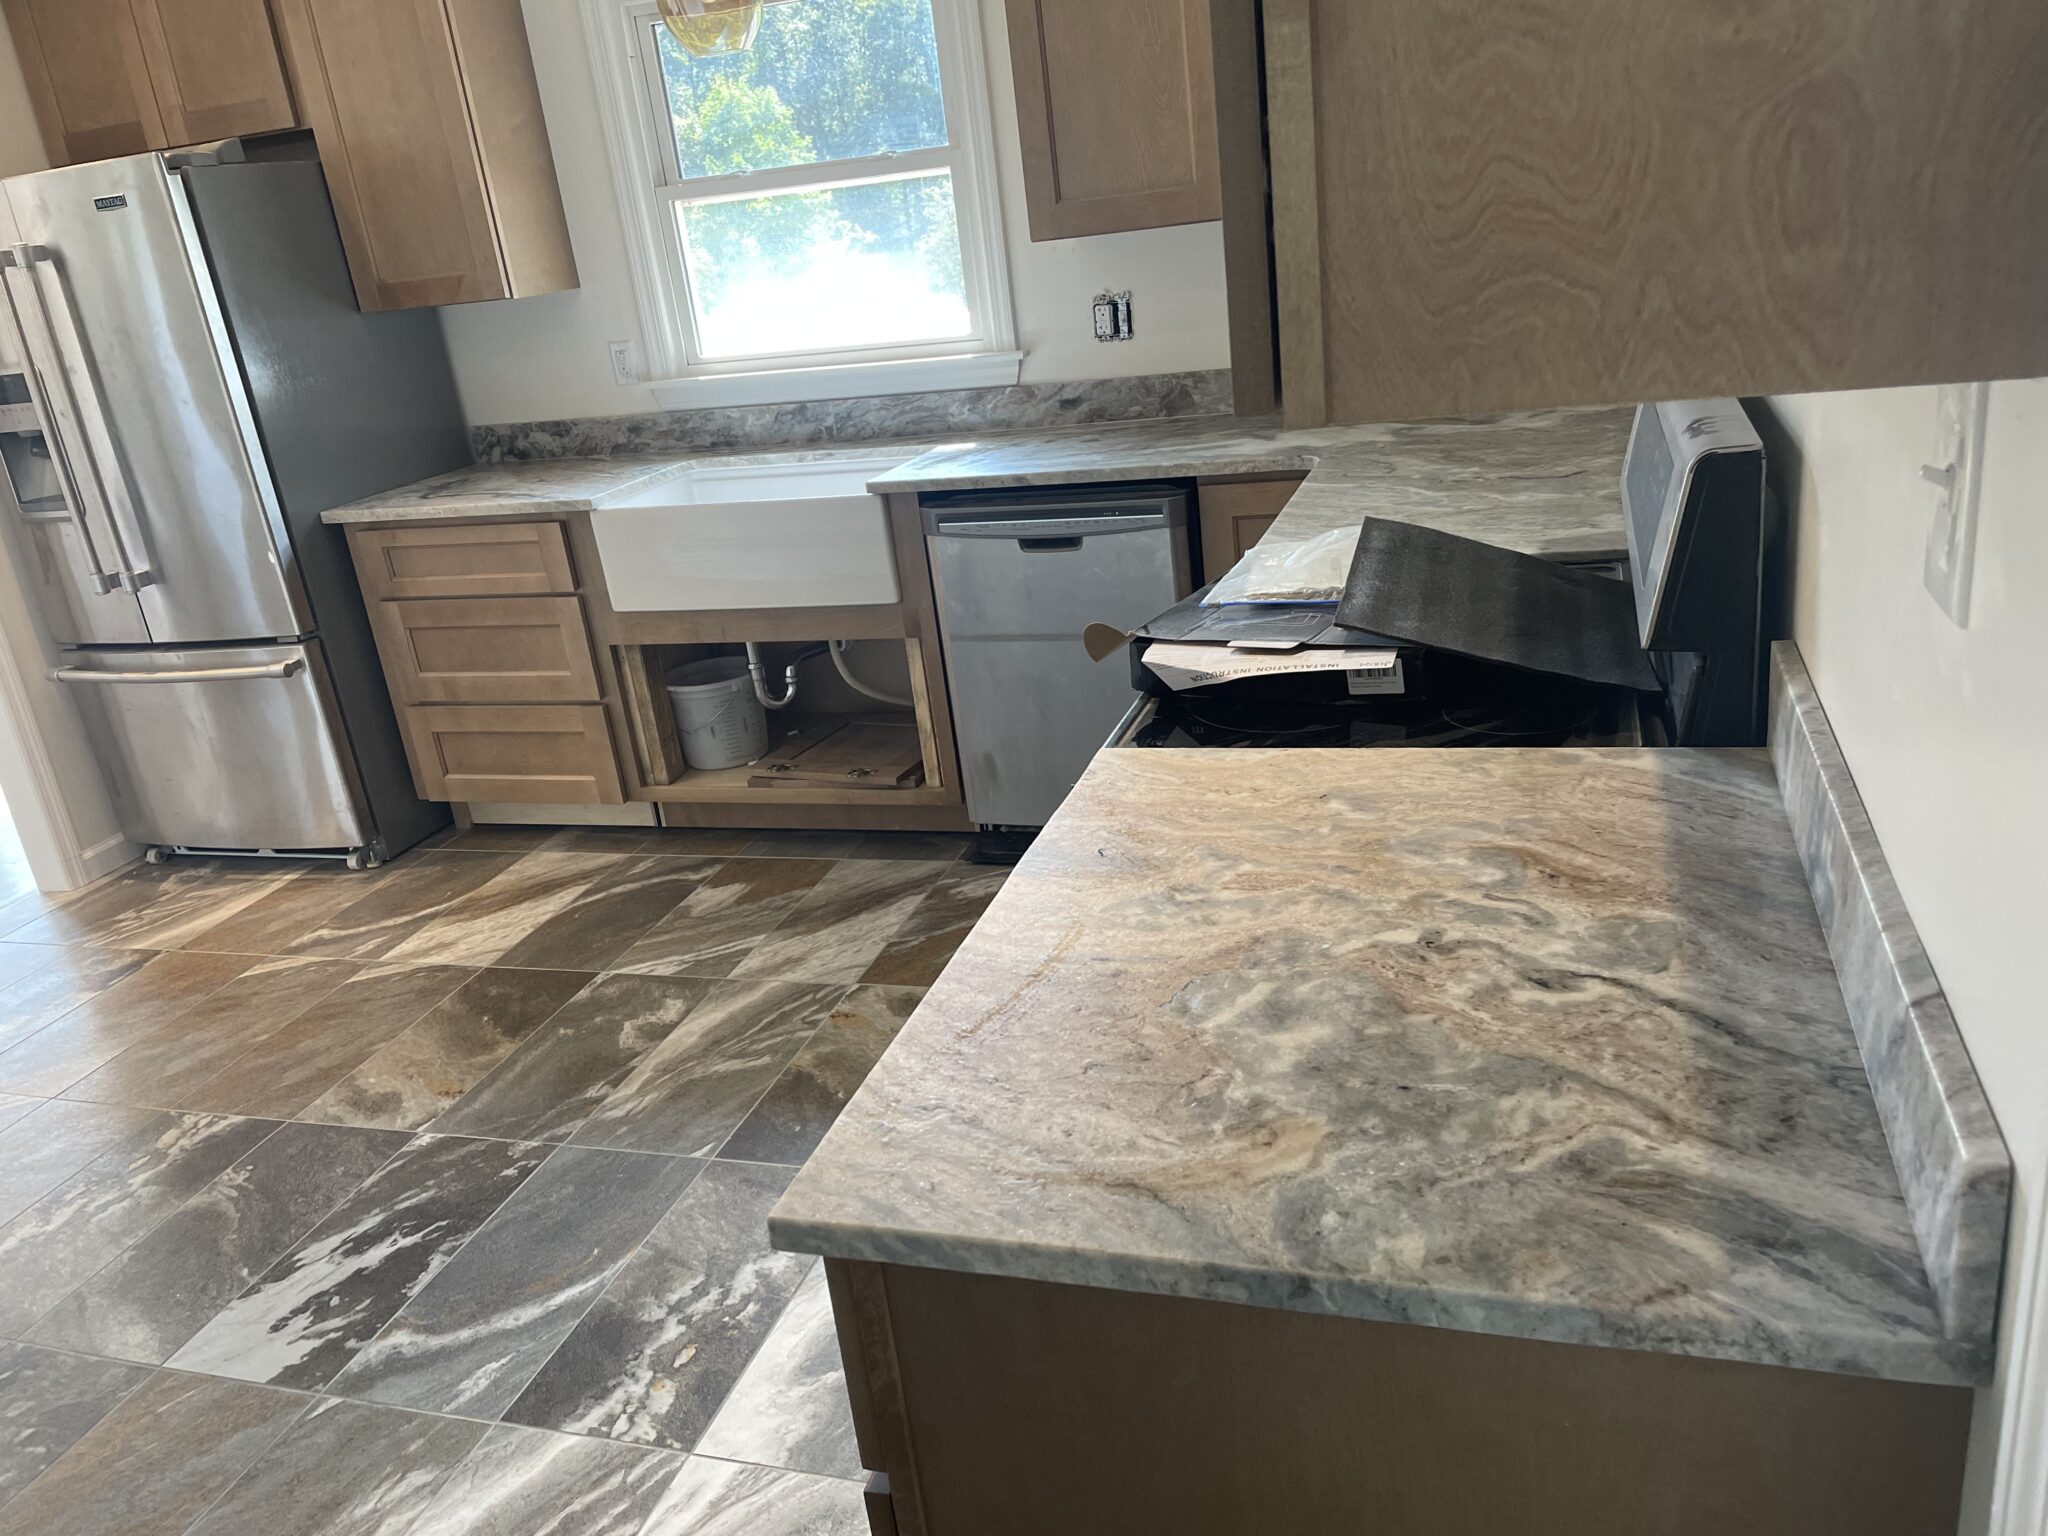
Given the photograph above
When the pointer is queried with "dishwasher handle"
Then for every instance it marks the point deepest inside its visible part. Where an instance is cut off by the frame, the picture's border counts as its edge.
(1047, 527)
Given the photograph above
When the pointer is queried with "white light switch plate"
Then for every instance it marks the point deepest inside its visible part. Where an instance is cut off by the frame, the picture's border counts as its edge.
(1960, 411)
(625, 365)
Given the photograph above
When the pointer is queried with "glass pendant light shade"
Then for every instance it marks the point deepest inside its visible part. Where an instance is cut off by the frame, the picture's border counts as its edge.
(707, 27)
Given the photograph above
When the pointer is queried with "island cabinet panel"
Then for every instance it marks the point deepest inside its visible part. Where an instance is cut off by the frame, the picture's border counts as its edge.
(487, 650)
(215, 67)
(1116, 114)
(467, 560)
(992, 1406)
(537, 754)
(1563, 202)
(87, 80)
(428, 119)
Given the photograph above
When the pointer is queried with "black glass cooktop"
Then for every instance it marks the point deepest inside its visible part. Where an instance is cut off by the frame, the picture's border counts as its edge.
(1465, 704)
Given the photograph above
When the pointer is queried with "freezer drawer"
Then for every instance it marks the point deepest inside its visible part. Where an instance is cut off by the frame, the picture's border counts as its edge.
(228, 747)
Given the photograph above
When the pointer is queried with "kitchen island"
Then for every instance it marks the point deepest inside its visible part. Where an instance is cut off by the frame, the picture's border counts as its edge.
(1424, 1142)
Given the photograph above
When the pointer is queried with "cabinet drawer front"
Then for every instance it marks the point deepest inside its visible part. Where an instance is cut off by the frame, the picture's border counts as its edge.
(551, 754)
(499, 560)
(1235, 515)
(486, 650)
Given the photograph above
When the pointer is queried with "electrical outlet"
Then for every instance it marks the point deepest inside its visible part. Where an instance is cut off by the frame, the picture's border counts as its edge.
(1960, 411)
(625, 364)
(1113, 316)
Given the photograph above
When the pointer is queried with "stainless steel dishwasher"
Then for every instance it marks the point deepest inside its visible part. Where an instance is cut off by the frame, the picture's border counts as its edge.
(1018, 577)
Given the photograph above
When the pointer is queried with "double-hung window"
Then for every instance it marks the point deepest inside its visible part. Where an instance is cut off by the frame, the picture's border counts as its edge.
(818, 200)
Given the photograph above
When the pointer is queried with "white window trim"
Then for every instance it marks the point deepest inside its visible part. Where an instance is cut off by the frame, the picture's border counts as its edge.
(654, 258)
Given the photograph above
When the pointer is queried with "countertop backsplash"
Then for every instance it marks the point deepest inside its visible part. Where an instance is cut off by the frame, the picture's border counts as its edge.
(1015, 407)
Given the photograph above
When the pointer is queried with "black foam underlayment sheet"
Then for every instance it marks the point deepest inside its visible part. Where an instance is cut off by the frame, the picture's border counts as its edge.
(1425, 587)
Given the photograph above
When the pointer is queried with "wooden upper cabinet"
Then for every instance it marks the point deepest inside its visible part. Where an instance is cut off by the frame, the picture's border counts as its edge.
(1116, 114)
(86, 77)
(1556, 202)
(215, 67)
(428, 119)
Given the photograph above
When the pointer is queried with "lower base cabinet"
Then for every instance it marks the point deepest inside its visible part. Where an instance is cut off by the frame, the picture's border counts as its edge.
(545, 754)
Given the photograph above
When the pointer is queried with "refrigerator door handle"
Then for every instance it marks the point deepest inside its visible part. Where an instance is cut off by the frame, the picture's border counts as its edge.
(60, 456)
(260, 671)
(131, 551)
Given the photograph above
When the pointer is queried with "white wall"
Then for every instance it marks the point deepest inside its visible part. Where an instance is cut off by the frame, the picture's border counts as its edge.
(531, 359)
(1946, 732)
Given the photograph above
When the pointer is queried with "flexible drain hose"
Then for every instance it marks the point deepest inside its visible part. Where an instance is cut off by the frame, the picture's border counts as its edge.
(839, 648)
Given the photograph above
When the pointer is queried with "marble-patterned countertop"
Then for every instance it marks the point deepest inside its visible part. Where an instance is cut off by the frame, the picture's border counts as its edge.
(517, 487)
(1544, 482)
(1544, 1043)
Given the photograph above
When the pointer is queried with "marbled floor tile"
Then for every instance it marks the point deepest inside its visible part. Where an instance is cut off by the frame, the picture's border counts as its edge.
(284, 915)
(551, 839)
(500, 839)
(419, 1074)
(164, 1066)
(473, 1338)
(494, 917)
(547, 1087)
(156, 906)
(51, 991)
(153, 1464)
(724, 1498)
(937, 927)
(293, 1066)
(615, 909)
(706, 842)
(12, 1107)
(794, 1115)
(56, 1139)
(165, 1288)
(344, 1469)
(724, 918)
(797, 844)
(686, 1095)
(404, 897)
(664, 1344)
(932, 847)
(790, 1407)
(90, 1219)
(19, 960)
(48, 1400)
(314, 1309)
(529, 1482)
(147, 1001)
(837, 931)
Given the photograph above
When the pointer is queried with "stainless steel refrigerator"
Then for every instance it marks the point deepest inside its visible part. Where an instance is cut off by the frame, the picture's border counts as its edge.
(199, 388)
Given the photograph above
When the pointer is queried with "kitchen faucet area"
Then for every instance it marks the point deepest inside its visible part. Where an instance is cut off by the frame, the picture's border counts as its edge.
(1001, 768)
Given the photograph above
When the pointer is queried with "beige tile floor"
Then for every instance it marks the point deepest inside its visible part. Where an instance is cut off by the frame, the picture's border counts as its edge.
(433, 1199)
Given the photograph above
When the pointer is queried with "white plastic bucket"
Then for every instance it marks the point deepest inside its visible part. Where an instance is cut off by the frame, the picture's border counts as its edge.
(722, 723)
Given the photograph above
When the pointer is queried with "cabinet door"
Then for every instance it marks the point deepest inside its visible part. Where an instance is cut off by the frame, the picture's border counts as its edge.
(83, 62)
(1536, 203)
(484, 560)
(382, 89)
(528, 754)
(486, 650)
(1116, 114)
(215, 67)
(1235, 515)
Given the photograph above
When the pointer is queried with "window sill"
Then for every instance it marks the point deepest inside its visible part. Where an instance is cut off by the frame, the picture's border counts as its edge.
(843, 381)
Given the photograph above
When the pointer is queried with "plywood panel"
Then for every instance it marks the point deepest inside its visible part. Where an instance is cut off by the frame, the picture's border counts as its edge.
(1543, 202)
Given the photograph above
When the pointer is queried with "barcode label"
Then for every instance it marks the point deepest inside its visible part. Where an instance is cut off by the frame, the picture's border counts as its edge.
(1384, 679)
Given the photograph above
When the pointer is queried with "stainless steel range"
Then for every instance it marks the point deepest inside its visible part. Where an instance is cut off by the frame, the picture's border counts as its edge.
(199, 387)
